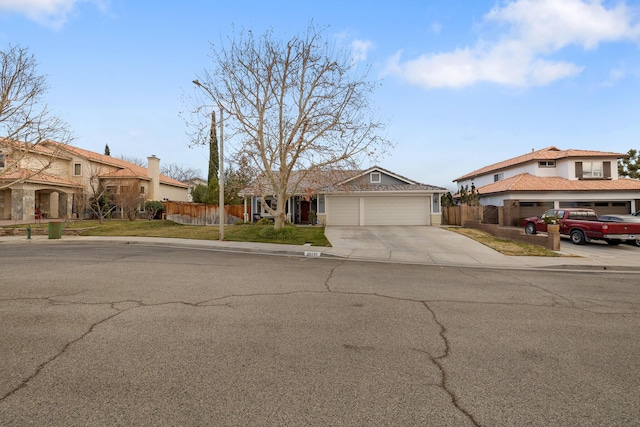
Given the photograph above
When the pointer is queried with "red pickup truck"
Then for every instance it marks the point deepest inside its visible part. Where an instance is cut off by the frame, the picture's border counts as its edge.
(582, 225)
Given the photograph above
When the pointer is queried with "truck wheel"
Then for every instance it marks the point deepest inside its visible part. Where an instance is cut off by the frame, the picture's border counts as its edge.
(577, 237)
(530, 228)
(613, 242)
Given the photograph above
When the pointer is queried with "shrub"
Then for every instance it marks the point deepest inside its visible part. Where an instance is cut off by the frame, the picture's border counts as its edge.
(152, 207)
(264, 221)
(283, 233)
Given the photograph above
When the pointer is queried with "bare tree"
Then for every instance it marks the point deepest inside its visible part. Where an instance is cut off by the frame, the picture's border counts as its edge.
(134, 160)
(25, 120)
(130, 198)
(297, 105)
(179, 172)
(98, 195)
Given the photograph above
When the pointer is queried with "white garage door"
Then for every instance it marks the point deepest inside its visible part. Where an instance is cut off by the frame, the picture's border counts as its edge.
(405, 210)
(378, 210)
(343, 210)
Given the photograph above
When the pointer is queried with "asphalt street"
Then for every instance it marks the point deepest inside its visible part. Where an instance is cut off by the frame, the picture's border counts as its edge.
(125, 333)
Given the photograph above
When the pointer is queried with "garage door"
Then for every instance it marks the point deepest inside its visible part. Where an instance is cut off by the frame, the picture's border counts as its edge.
(343, 210)
(396, 210)
(378, 210)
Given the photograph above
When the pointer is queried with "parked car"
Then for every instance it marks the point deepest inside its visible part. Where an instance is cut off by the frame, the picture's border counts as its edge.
(623, 218)
(582, 225)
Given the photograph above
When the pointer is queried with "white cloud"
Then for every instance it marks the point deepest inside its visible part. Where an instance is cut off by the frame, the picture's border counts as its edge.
(533, 30)
(52, 13)
(360, 49)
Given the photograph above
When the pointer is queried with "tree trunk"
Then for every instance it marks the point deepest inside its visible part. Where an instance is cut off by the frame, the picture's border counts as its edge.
(280, 216)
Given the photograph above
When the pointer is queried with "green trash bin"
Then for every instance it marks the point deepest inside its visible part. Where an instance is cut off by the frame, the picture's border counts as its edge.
(55, 230)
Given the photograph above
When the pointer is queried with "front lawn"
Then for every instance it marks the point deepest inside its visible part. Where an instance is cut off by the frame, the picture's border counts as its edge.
(298, 235)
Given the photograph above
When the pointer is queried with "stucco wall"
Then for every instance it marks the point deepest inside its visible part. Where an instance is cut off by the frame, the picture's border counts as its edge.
(173, 193)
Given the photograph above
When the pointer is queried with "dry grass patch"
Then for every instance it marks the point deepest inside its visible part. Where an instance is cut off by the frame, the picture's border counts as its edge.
(506, 247)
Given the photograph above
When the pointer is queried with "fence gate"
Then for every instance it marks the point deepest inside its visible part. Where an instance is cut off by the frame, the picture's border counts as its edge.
(490, 214)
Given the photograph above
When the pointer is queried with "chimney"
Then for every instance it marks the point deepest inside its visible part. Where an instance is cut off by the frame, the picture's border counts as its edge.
(153, 172)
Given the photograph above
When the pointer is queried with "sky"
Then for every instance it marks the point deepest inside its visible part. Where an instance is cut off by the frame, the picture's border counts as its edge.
(463, 84)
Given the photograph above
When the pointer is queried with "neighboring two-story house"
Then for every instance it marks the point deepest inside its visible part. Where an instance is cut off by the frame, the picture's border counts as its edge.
(374, 196)
(528, 185)
(56, 180)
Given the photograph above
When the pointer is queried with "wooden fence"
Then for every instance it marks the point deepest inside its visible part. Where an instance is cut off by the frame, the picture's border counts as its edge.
(201, 213)
(459, 215)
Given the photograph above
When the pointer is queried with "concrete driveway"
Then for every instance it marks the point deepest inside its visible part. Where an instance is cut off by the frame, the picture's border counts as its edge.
(424, 244)
(438, 246)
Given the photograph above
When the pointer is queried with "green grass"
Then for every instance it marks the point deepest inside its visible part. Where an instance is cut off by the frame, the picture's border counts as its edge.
(292, 235)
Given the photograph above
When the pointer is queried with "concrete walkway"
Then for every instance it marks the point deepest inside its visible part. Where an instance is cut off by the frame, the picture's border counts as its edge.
(427, 246)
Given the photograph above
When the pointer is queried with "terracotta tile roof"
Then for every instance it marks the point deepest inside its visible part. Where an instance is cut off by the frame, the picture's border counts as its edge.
(549, 153)
(129, 170)
(39, 148)
(27, 175)
(527, 182)
(126, 173)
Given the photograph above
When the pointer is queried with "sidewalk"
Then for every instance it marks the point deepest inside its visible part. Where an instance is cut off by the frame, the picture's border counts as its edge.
(592, 257)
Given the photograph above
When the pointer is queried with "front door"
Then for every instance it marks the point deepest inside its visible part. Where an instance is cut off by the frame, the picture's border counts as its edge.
(304, 211)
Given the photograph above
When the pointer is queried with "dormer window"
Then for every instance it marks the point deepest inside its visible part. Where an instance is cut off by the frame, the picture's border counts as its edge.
(547, 164)
(376, 177)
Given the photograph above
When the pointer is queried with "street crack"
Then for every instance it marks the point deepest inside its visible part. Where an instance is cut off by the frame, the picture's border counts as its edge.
(437, 360)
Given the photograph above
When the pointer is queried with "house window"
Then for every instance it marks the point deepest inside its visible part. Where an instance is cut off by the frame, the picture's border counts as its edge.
(2, 161)
(498, 177)
(547, 164)
(376, 177)
(436, 203)
(77, 169)
(591, 170)
(320, 203)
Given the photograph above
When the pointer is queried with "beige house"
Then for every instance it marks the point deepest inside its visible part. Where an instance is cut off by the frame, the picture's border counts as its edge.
(56, 180)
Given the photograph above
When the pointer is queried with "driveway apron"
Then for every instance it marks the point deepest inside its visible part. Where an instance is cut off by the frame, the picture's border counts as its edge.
(425, 244)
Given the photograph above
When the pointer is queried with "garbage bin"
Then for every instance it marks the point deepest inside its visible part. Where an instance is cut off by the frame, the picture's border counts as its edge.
(55, 230)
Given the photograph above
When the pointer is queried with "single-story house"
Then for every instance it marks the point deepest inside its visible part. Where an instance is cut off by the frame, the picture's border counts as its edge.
(374, 196)
(552, 178)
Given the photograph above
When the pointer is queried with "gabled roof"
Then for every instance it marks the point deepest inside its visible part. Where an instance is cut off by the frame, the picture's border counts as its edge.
(332, 181)
(527, 182)
(308, 182)
(549, 153)
(379, 169)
